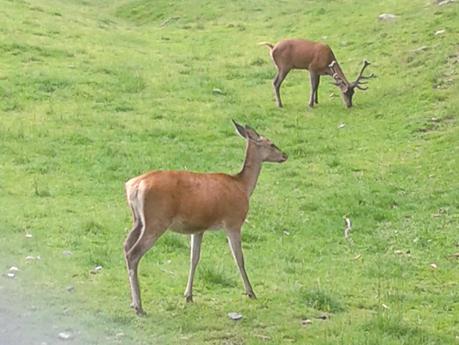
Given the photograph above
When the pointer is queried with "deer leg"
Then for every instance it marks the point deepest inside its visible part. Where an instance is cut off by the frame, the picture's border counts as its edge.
(133, 235)
(234, 239)
(317, 90)
(146, 240)
(314, 88)
(277, 82)
(195, 253)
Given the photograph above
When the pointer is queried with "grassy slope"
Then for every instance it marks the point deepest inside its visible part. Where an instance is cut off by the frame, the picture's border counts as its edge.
(93, 93)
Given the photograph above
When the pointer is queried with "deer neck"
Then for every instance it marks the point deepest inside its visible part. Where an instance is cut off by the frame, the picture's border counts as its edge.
(341, 73)
(251, 168)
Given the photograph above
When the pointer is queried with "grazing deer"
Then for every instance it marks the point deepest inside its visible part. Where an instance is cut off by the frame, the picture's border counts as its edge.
(191, 203)
(319, 59)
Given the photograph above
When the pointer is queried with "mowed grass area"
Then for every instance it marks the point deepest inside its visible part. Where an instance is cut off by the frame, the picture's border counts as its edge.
(93, 93)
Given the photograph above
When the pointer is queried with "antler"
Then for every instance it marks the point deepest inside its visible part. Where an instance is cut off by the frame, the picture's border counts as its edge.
(339, 81)
(358, 82)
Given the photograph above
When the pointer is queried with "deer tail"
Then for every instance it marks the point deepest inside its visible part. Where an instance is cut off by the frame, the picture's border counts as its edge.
(269, 45)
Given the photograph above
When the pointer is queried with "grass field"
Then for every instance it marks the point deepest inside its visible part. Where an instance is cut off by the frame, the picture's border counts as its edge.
(93, 93)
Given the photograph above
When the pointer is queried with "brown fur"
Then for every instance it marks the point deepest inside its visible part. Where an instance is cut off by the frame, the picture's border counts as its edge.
(191, 203)
(316, 57)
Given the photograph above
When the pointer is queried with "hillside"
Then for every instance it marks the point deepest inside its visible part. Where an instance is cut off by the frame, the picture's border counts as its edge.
(93, 93)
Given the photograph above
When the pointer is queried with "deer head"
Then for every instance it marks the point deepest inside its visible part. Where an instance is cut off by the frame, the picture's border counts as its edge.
(348, 89)
(265, 148)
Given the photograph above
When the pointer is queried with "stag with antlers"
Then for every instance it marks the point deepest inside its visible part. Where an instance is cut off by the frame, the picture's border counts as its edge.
(319, 59)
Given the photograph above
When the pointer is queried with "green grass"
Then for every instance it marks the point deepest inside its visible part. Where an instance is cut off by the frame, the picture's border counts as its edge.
(95, 92)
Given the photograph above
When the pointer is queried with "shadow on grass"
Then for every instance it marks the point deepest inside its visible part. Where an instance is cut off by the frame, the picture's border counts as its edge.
(216, 276)
(393, 327)
(322, 300)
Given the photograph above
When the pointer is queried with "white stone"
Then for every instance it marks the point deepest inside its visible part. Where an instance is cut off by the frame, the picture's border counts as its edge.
(387, 17)
(65, 335)
(445, 2)
(235, 316)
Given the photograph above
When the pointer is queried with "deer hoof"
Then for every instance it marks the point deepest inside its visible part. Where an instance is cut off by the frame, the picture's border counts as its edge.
(189, 299)
(251, 295)
(140, 312)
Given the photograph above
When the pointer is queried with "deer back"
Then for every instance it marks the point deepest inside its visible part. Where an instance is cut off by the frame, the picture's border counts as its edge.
(189, 202)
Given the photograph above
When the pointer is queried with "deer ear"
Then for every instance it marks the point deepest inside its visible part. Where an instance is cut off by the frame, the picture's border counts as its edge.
(240, 129)
(251, 133)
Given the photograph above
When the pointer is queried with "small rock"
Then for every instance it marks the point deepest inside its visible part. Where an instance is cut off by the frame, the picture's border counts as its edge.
(96, 269)
(67, 253)
(385, 306)
(387, 17)
(445, 2)
(235, 316)
(306, 322)
(286, 233)
(342, 125)
(357, 257)
(13, 269)
(119, 335)
(28, 235)
(65, 335)
(217, 91)
(434, 266)
(323, 316)
(70, 288)
(32, 258)
(11, 275)
(439, 32)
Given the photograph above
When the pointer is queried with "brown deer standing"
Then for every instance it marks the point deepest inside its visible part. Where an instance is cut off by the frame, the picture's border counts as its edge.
(319, 59)
(191, 203)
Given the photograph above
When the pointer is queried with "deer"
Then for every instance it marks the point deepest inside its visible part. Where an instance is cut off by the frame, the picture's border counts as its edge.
(191, 203)
(319, 59)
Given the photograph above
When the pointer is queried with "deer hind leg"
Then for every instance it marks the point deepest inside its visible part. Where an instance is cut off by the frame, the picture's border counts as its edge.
(277, 82)
(134, 234)
(145, 241)
(315, 79)
(234, 240)
(195, 253)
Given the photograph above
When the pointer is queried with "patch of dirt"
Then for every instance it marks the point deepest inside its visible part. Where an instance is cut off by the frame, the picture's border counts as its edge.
(437, 123)
(22, 323)
(449, 76)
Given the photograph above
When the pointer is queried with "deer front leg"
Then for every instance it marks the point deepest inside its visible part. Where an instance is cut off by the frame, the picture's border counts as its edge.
(195, 252)
(315, 78)
(234, 240)
(317, 90)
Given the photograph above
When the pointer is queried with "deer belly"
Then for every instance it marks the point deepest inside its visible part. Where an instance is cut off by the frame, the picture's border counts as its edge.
(192, 227)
